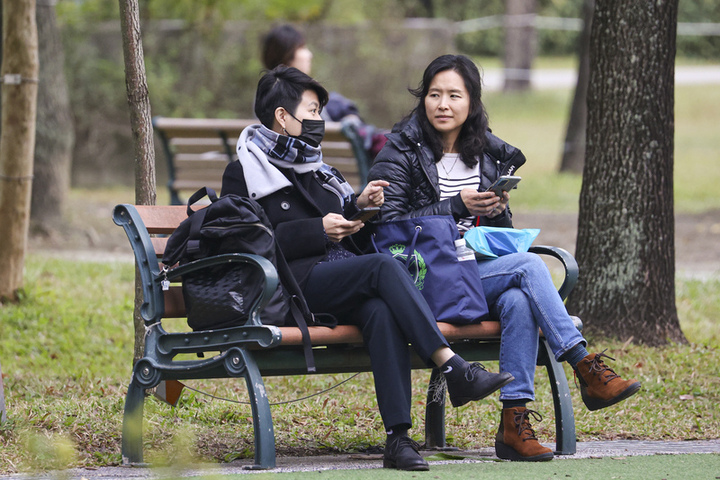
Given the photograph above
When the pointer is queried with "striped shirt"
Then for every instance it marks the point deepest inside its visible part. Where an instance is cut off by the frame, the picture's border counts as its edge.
(453, 176)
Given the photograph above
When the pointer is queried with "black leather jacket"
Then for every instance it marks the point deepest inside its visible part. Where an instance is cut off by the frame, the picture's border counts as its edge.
(408, 165)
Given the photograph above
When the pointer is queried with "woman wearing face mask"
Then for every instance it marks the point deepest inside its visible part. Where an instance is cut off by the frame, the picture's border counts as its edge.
(308, 202)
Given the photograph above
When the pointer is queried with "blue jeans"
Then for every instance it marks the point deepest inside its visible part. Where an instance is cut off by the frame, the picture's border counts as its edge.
(520, 292)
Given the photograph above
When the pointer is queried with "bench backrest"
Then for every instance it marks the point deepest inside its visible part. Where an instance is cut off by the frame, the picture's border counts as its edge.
(198, 150)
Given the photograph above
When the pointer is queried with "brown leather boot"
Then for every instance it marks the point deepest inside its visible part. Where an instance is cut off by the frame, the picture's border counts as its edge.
(516, 440)
(600, 386)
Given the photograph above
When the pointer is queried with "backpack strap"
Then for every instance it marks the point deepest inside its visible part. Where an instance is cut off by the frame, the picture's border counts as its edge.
(197, 219)
(302, 316)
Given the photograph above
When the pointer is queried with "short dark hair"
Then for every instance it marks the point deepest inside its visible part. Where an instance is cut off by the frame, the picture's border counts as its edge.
(283, 87)
(279, 45)
(471, 140)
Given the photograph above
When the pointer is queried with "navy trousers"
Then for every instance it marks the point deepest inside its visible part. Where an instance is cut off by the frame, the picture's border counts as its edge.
(376, 293)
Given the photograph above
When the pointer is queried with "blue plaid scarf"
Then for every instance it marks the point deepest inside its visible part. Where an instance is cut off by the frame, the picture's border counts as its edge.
(261, 149)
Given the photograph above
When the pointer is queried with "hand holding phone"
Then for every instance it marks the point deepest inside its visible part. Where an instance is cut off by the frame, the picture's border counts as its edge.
(365, 214)
(504, 183)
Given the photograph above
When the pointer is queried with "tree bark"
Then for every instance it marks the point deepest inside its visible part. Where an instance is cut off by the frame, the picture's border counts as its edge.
(573, 158)
(142, 134)
(3, 415)
(17, 138)
(55, 134)
(520, 43)
(625, 243)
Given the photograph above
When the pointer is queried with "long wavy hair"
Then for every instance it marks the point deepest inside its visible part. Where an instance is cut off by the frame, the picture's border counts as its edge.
(471, 140)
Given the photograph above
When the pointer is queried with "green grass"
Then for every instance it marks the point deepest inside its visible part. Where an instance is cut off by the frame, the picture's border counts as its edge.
(66, 355)
(626, 468)
(536, 122)
(66, 349)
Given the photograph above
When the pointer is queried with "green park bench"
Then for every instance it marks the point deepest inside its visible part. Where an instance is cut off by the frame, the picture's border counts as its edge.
(254, 351)
(198, 150)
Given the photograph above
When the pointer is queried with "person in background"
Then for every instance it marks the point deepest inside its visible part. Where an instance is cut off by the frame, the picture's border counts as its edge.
(286, 45)
(310, 206)
(440, 160)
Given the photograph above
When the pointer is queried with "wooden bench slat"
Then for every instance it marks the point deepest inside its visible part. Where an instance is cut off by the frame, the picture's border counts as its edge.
(161, 219)
(194, 144)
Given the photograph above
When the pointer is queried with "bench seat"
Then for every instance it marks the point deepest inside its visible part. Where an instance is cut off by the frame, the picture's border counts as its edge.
(254, 350)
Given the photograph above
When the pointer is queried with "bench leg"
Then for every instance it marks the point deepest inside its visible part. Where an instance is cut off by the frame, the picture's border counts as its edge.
(132, 447)
(435, 412)
(262, 418)
(564, 415)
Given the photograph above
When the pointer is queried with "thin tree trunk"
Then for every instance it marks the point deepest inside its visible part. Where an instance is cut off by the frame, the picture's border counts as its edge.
(3, 415)
(625, 244)
(520, 43)
(142, 133)
(17, 138)
(573, 158)
(55, 135)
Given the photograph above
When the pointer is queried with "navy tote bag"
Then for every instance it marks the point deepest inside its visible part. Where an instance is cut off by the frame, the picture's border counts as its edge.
(426, 246)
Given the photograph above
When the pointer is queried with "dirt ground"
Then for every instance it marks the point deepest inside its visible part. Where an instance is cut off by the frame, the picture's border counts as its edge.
(88, 232)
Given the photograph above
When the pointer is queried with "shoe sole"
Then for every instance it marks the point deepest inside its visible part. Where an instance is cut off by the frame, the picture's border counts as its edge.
(459, 402)
(508, 453)
(413, 468)
(593, 404)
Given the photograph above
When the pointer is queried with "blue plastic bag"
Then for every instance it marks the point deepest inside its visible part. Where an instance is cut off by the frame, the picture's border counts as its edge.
(492, 242)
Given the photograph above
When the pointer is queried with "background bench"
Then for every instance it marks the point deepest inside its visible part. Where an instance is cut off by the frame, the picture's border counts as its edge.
(253, 350)
(198, 149)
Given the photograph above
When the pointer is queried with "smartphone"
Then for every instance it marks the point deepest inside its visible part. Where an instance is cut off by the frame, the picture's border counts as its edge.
(504, 183)
(365, 214)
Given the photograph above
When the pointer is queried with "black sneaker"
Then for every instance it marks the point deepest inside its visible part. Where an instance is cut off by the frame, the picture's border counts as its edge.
(401, 452)
(476, 383)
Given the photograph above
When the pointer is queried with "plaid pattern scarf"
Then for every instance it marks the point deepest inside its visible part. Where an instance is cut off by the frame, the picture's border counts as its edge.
(259, 149)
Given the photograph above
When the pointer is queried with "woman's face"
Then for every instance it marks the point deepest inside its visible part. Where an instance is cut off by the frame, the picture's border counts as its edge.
(447, 105)
(302, 60)
(308, 108)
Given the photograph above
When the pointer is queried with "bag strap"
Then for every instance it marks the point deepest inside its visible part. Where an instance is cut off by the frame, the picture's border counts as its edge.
(299, 308)
(197, 196)
(197, 218)
(411, 252)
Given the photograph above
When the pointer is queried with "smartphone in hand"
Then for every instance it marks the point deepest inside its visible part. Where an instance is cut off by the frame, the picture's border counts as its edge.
(365, 214)
(504, 183)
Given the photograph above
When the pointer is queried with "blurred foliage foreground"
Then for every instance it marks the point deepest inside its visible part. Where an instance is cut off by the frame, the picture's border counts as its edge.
(66, 354)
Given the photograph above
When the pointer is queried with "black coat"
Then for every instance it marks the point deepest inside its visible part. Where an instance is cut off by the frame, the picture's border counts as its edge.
(296, 214)
(408, 164)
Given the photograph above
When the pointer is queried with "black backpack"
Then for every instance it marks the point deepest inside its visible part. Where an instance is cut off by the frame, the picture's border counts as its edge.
(222, 296)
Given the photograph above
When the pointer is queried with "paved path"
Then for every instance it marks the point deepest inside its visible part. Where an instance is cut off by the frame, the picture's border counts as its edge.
(543, 79)
(617, 448)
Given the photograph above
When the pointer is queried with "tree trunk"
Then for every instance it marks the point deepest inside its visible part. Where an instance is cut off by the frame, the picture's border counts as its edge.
(3, 416)
(625, 243)
(520, 43)
(573, 157)
(55, 135)
(17, 138)
(142, 134)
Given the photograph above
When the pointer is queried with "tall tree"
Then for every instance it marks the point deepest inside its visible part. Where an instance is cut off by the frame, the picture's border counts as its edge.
(573, 157)
(142, 133)
(625, 243)
(520, 43)
(19, 73)
(55, 134)
(3, 415)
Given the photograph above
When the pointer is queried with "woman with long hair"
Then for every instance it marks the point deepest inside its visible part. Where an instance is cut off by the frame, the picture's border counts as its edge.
(440, 160)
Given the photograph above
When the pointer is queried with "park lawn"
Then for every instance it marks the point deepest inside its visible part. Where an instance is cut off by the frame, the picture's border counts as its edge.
(535, 122)
(66, 349)
(67, 353)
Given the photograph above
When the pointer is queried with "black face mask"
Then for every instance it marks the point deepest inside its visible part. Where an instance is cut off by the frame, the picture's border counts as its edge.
(312, 132)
